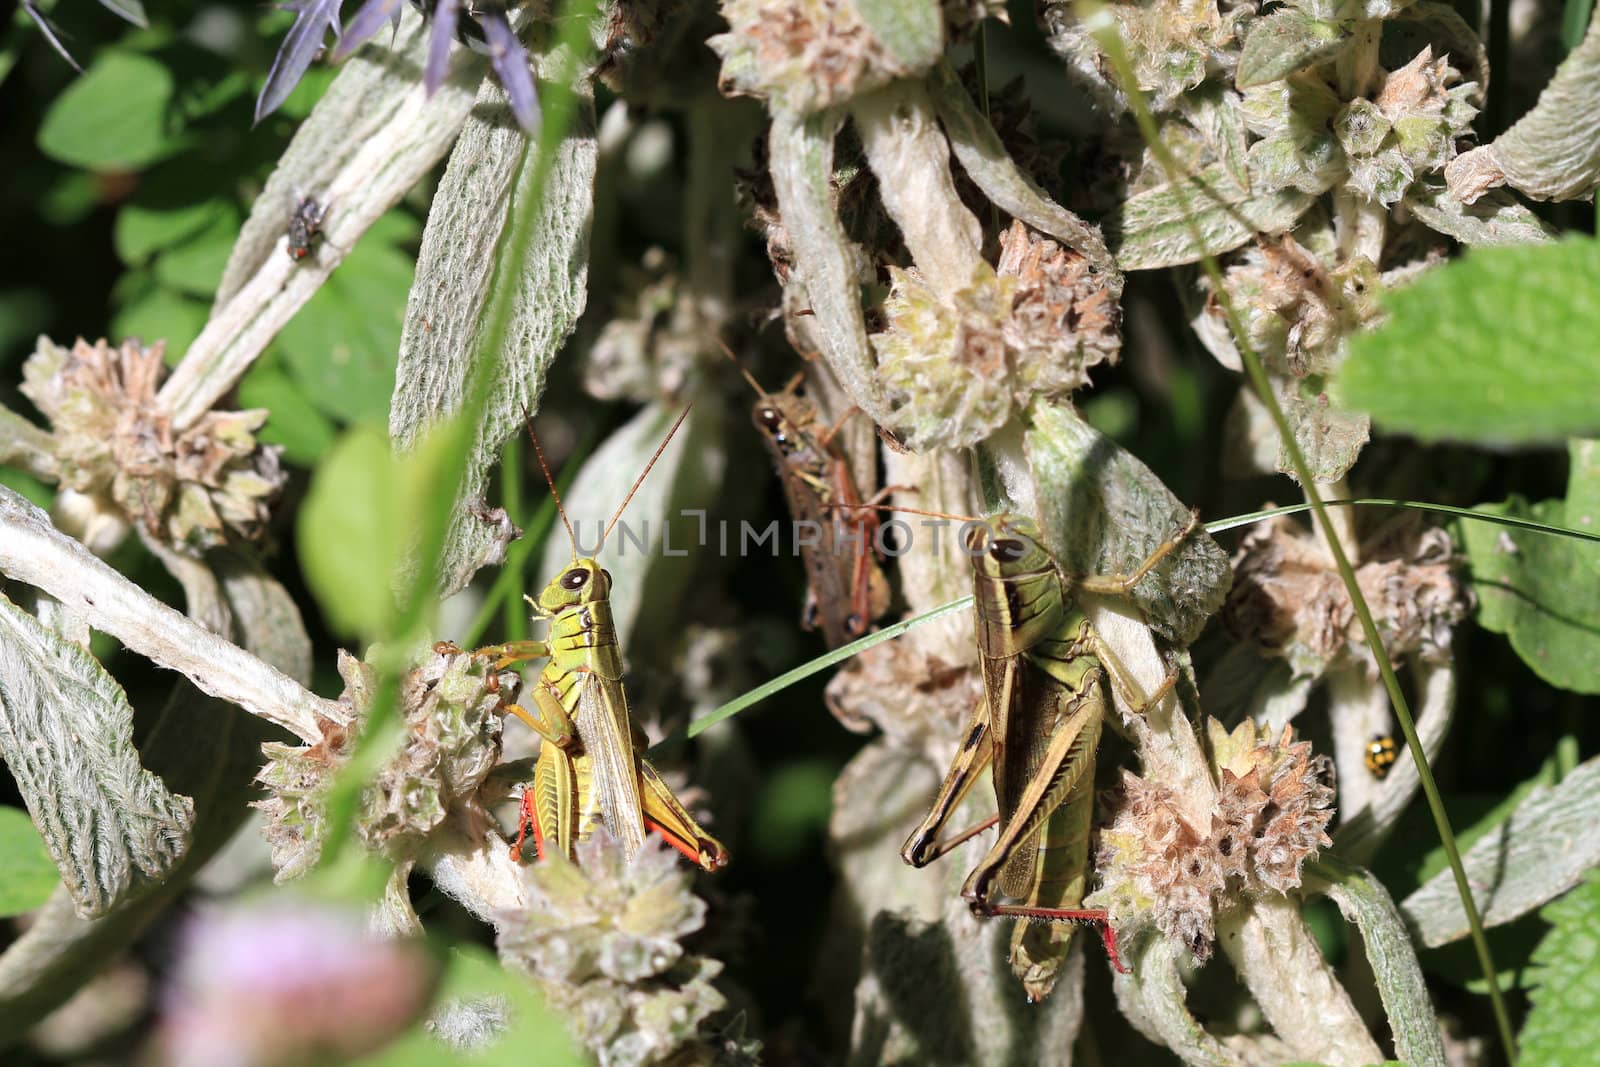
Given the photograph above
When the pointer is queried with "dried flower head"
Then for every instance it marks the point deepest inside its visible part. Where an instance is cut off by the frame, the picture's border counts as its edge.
(1409, 129)
(1274, 802)
(451, 704)
(1275, 799)
(913, 697)
(114, 444)
(802, 55)
(956, 368)
(288, 982)
(1175, 45)
(1289, 600)
(1298, 306)
(603, 937)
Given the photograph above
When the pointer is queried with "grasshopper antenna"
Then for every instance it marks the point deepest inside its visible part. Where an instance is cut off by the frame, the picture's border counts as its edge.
(642, 476)
(527, 421)
(908, 511)
(751, 378)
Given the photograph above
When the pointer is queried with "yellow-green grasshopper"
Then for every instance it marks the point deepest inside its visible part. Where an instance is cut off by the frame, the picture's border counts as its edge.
(590, 769)
(1045, 677)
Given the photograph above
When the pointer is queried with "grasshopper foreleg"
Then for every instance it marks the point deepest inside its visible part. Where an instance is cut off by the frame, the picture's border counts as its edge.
(1122, 584)
(1127, 688)
(549, 719)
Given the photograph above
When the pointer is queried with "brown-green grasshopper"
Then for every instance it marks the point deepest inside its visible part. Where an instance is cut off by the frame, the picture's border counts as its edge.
(845, 588)
(590, 769)
(1045, 678)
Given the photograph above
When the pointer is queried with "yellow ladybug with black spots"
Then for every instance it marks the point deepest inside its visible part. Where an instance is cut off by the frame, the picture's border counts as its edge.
(1380, 755)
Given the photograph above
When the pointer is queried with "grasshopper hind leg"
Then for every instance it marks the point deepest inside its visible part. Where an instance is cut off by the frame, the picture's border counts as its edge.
(974, 756)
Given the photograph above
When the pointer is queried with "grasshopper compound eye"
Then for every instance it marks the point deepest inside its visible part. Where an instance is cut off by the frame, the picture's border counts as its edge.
(574, 579)
(769, 418)
(1005, 550)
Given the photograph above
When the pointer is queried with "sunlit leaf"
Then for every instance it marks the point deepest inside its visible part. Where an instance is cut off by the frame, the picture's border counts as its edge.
(1497, 346)
(27, 873)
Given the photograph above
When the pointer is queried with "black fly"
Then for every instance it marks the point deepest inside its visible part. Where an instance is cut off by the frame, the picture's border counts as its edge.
(305, 227)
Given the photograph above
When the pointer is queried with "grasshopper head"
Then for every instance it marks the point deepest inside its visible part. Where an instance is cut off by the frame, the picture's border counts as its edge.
(783, 421)
(583, 582)
(1008, 545)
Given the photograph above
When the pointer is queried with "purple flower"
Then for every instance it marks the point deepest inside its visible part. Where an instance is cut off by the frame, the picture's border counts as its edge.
(369, 19)
(287, 982)
(312, 20)
(487, 30)
(445, 14)
(511, 64)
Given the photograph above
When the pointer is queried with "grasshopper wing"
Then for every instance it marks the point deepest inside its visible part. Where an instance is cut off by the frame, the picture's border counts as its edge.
(606, 732)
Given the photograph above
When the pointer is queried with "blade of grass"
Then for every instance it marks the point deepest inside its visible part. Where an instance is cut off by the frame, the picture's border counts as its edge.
(1533, 525)
(515, 621)
(1575, 22)
(821, 663)
(1109, 38)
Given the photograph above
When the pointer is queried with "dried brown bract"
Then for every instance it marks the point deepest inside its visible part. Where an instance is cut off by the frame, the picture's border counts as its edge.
(451, 704)
(191, 488)
(1274, 801)
(957, 366)
(1289, 600)
(1064, 319)
(806, 55)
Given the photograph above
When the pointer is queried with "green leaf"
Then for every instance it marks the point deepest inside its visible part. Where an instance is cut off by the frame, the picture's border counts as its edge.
(115, 117)
(366, 516)
(912, 31)
(1284, 42)
(1495, 347)
(1363, 899)
(1103, 511)
(685, 476)
(792, 809)
(304, 432)
(27, 874)
(1526, 583)
(195, 266)
(1563, 1025)
(141, 230)
(342, 346)
(1541, 850)
(479, 997)
(1158, 227)
(159, 314)
(349, 535)
(487, 195)
(1496, 218)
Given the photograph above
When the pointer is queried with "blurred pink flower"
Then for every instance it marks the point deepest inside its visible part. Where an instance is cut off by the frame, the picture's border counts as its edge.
(287, 983)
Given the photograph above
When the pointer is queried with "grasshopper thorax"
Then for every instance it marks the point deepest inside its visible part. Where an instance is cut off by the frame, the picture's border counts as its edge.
(1016, 587)
(583, 582)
